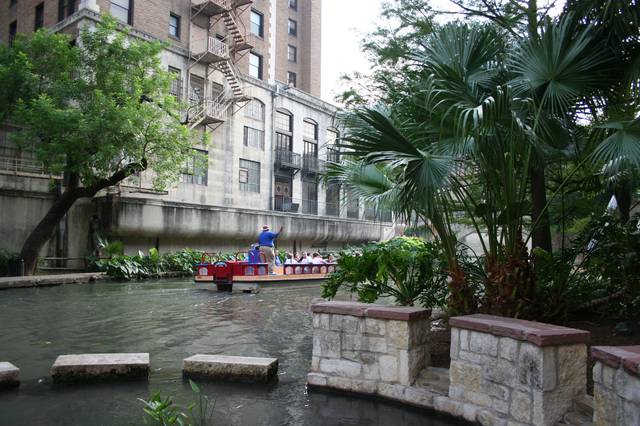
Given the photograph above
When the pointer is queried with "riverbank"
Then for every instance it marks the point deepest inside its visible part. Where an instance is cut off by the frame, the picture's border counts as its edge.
(7, 283)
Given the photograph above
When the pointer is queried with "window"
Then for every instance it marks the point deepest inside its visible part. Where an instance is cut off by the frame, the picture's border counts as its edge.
(284, 121)
(309, 197)
(176, 84)
(292, 53)
(39, 21)
(255, 66)
(353, 206)
(13, 3)
(196, 169)
(333, 152)
(310, 130)
(13, 29)
(253, 137)
(257, 23)
(293, 27)
(66, 8)
(249, 177)
(196, 90)
(293, 4)
(255, 110)
(333, 199)
(291, 78)
(174, 25)
(121, 10)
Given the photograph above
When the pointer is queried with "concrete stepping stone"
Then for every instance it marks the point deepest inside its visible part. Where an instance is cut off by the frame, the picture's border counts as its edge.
(92, 367)
(9, 375)
(234, 368)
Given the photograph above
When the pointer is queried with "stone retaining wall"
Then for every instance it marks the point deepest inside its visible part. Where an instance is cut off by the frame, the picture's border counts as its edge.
(526, 372)
(616, 390)
(368, 348)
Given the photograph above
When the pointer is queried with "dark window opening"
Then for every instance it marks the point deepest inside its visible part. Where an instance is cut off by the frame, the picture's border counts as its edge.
(39, 20)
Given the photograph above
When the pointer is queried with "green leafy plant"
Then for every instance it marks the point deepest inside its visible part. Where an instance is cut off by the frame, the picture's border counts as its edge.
(7, 258)
(144, 265)
(164, 412)
(410, 270)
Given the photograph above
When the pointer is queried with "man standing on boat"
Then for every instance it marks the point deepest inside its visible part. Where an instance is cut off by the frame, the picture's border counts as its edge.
(265, 240)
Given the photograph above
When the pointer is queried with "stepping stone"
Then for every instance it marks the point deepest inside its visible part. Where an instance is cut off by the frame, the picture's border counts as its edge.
(234, 368)
(92, 367)
(9, 375)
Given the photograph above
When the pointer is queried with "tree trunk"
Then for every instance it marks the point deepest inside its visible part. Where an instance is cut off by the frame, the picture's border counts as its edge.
(541, 234)
(623, 197)
(47, 226)
(45, 230)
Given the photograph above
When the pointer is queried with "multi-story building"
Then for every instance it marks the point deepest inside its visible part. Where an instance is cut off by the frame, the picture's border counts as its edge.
(249, 72)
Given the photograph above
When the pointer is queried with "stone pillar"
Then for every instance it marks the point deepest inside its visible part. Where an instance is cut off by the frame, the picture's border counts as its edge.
(525, 372)
(89, 4)
(367, 348)
(616, 385)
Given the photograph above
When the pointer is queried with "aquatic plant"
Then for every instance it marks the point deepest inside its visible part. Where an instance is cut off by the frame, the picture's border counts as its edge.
(164, 412)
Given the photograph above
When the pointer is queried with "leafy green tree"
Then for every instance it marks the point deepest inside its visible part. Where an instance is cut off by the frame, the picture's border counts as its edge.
(96, 111)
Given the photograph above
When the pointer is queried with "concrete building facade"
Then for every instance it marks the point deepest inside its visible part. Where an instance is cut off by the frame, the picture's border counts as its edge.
(270, 138)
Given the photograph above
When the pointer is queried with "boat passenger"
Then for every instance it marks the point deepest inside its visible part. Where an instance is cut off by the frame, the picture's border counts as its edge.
(309, 258)
(331, 259)
(265, 240)
(290, 260)
(298, 257)
(253, 256)
(317, 259)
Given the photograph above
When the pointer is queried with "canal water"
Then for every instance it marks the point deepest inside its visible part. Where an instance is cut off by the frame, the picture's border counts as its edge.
(171, 321)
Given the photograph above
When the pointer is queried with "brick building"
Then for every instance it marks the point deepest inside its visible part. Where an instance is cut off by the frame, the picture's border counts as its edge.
(249, 72)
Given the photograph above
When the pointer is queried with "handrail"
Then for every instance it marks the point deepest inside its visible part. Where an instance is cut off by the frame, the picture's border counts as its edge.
(218, 47)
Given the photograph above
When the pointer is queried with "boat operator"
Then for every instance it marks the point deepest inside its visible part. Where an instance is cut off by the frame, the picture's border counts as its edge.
(265, 240)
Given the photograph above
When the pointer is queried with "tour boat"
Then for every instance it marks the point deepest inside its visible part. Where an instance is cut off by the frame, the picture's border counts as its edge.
(242, 276)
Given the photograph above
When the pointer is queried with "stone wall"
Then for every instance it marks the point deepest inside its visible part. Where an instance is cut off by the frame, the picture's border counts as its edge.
(616, 389)
(524, 371)
(370, 349)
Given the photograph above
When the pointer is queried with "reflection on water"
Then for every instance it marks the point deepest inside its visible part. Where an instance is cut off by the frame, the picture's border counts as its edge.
(171, 321)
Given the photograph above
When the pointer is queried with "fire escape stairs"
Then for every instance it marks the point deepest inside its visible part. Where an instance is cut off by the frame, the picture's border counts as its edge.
(213, 112)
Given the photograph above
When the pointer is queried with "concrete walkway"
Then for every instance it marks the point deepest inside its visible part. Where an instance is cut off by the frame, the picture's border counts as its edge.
(50, 280)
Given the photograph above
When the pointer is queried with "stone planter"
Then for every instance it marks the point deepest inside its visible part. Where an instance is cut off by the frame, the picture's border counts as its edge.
(616, 390)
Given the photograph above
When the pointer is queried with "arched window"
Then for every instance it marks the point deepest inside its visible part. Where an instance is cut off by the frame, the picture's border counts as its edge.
(284, 120)
(255, 110)
(333, 152)
(284, 130)
(310, 136)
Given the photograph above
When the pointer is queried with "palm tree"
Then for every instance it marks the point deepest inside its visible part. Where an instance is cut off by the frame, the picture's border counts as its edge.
(465, 139)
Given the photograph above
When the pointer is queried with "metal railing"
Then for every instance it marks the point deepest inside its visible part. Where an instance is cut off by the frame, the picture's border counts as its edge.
(286, 159)
(312, 164)
(218, 47)
(21, 165)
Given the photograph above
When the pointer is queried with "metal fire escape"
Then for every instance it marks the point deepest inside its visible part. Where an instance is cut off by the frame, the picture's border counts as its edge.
(218, 55)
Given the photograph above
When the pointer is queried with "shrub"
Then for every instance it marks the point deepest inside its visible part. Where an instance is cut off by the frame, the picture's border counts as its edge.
(410, 270)
(7, 262)
(147, 265)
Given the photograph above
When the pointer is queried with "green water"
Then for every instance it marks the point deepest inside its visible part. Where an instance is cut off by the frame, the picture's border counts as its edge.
(171, 321)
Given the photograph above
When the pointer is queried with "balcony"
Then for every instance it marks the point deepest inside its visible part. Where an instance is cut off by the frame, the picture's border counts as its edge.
(313, 165)
(210, 112)
(210, 7)
(288, 160)
(210, 51)
(294, 205)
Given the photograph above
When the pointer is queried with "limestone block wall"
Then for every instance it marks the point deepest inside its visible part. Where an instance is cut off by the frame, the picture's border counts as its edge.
(366, 348)
(616, 389)
(525, 372)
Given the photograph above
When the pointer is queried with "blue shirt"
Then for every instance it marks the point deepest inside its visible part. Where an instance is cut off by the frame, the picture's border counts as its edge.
(266, 238)
(254, 256)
